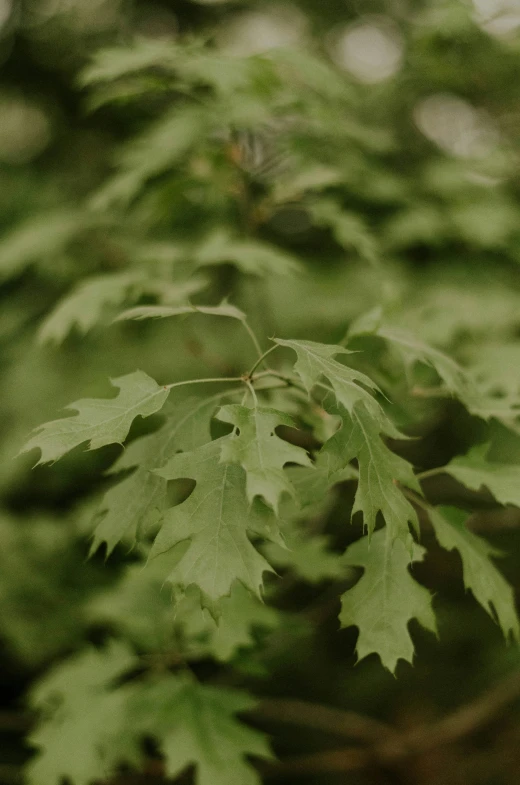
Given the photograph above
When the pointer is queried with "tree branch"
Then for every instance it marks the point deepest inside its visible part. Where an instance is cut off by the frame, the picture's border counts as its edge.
(324, 718)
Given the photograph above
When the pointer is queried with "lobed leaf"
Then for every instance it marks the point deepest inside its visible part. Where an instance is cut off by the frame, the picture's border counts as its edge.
(114, 63)
(196, 725)
(84, 306)
(36, 238)
(136, 503)
(458, 382)
(252, 257)
(257, 448)
(99, 421)
(475, 472)
(480, 575)
(105, 725)
(163, 311)
(85, 716)
(216, 522)
(385, 599)
(380, 471)
(155, 151)
(310, 558)
(316, 360)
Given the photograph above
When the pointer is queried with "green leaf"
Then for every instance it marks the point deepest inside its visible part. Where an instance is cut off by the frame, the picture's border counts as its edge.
(385, 599)
(99, 421)
(454, 377)
(104, 726)
(84, 306)
(497, 378)
(240, 614)
(228, 75)
(39, 237)
(163, 311)
(135, 504)
(497, 370)
(196, 725)
(250, 256)
(348, 228)
(379, 472)
(316, 360)
(216, 519)
(116, 62)
(309, 557)
(412, 350)
(256, 447)
(138, 608)
(480, 575)
(474, 471)
(38, 566)
(311, 73)
(82, 736)
(152, 153)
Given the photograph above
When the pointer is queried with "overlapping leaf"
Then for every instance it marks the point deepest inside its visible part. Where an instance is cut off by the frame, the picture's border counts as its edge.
(82, 736)
(316, 360)
(380, 471)
(385, 599)
(156, 150)
(136, 502)
(256, 447)
(84, 306)
(475, 471)
(117, 62)
(250, 256)
(216, 523)
(480, 575)
(197, 724)
(139, 607)
(46, 235)
(99, 421)
(349, 229)
(310, 558)
(104, 725)
(241, 616)
(413, 350)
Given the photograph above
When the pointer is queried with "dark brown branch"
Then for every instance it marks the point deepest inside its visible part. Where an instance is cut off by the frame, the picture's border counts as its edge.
(325, 718)
(330, 761)
(383, 745)
(469, 718)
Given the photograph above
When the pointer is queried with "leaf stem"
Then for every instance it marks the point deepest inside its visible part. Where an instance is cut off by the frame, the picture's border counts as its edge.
(254, 339)
(253, 393)
(414, 497)
(431, 473)
(260, 360)
(203, 381)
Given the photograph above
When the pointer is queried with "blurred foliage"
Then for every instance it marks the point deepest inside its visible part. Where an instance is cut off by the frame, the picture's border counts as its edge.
(333, 168)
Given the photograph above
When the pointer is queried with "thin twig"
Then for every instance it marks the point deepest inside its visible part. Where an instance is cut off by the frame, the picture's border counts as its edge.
(468, 718)
(333, 761)
(261, 359)
(385, 746)
(432, 392)
(253, 393)
(214, 380)
(324, 718)
(288, 379)
(253, 337)
(431, 473)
